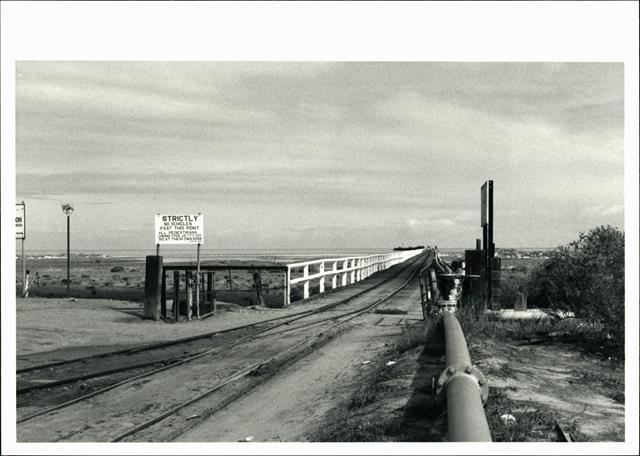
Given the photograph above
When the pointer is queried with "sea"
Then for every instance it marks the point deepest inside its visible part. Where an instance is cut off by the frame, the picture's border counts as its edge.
(189, 253)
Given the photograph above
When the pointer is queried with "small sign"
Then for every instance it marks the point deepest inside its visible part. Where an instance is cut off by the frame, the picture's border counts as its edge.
(180, 228)
(483, 204)
(20, 221)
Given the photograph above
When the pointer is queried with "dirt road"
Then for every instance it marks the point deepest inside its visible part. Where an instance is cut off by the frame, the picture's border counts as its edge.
(293, 405)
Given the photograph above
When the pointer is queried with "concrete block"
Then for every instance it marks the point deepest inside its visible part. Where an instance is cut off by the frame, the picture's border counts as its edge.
(521, 302)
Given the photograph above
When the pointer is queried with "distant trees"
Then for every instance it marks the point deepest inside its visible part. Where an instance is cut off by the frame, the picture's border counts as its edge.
(585, 277)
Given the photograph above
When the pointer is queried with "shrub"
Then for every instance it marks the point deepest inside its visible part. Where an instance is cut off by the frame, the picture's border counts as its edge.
(587, 278)
(117, 269)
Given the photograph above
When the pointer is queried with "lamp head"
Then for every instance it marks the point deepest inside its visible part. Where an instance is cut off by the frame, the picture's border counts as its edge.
(67, 209)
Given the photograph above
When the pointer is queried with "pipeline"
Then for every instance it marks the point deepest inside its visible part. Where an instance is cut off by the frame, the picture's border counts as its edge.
(465, 386)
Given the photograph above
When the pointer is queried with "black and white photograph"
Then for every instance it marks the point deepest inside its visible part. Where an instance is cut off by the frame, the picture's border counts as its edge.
(307, 228)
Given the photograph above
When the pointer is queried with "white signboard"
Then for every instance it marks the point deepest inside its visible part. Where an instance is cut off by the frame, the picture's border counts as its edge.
(180, 228)
(20, 222)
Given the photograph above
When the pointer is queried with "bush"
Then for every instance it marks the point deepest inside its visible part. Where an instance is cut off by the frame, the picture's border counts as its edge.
(587, 278)
(117, 269)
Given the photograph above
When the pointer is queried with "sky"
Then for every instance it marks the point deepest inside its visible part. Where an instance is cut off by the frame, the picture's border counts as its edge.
(319, 154)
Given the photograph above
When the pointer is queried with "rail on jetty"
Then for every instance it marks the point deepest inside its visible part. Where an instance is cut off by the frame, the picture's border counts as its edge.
(193, 290)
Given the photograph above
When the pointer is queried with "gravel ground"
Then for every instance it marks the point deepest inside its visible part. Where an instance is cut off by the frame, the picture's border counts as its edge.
(50, 329)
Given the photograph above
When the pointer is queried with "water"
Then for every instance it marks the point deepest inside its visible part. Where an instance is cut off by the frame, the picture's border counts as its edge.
(189, 254)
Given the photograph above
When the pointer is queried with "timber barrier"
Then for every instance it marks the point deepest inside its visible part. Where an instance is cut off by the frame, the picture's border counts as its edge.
(348, 270)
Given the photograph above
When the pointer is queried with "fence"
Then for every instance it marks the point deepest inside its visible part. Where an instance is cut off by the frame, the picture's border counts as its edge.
(197, 295)
(346, 271)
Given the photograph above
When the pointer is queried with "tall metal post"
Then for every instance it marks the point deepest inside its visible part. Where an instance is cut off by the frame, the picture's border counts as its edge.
(67, 209)
(490, 246)
(25, 286)
(68, 254)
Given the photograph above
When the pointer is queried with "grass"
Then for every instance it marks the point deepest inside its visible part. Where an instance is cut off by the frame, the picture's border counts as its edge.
(533, 421)
(369, 392)
(373, 413)
(611, 385)
(367, 417)
(417, 335)
(589, 337)
(411, 337)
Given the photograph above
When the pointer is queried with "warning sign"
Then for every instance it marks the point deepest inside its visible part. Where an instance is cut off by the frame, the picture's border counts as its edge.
(180, 229)
(20, 222)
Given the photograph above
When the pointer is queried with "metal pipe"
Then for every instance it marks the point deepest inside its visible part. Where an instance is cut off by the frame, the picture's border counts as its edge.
(456, 346)
(466, 421)
(466, 388)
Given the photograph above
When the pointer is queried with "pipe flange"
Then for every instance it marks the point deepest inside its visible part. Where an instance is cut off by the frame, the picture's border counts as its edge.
(444, 305)
(473, 372)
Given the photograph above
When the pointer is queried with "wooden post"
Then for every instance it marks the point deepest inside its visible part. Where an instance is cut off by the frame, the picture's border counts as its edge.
(257, 281)
(198, 283)
(210, 291)
(157, 249)
(189, 293)
(306, 282)
(163, 296)
(286, 291)
(176, 295)
(345, 266)
(353, 273)
(25, 292)
(322, 278)
(334, 278)
(153, 287)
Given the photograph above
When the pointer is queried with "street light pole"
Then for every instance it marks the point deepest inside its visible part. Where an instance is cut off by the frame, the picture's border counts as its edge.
(68, 254)
(67, 209)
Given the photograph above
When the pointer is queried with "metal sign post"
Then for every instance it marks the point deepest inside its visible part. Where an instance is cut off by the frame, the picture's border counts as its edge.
(21, 231)
(486, 221)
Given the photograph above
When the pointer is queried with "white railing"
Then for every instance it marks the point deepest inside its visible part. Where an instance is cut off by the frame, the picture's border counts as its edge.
(347, 270)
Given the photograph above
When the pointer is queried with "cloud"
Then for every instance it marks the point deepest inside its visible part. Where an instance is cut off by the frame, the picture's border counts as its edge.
(603, 211)
(398, 147)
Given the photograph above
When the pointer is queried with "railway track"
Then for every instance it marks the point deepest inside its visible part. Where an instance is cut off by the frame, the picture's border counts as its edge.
(199, 353)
